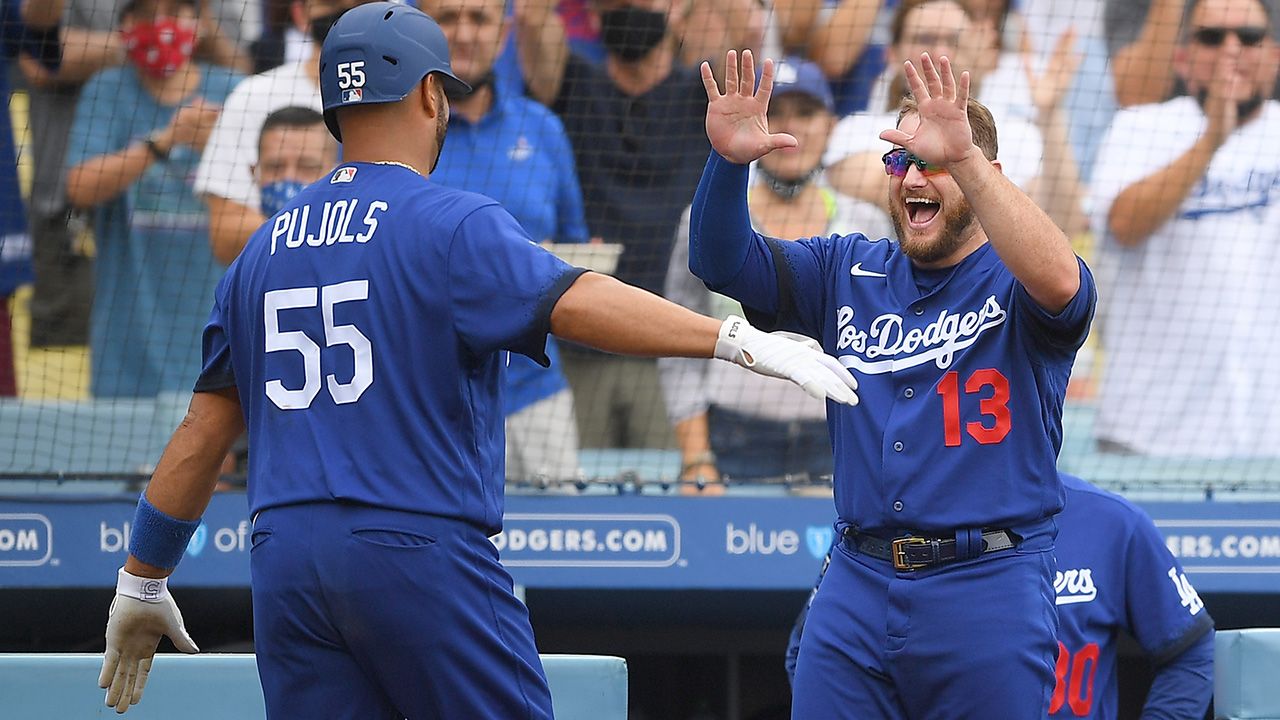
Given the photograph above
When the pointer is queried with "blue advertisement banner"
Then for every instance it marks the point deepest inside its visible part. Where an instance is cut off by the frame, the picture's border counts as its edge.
(613, 542)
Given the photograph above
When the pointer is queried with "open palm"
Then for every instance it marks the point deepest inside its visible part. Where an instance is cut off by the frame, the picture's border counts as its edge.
(944, 135)
(737, 120)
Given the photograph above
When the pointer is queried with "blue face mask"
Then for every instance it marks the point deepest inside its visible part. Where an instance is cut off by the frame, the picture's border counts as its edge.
(278, 194)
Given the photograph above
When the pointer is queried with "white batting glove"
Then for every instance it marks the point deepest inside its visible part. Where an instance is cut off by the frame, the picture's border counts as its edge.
(142, 612)
(787, 356)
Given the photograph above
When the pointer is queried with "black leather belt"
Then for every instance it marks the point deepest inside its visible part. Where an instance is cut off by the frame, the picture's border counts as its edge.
(915, 552)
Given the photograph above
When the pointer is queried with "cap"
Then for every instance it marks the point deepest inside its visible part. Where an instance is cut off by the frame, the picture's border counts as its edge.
(377, 53)
(797, 75)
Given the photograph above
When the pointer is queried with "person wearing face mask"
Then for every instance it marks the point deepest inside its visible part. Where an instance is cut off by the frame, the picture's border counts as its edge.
(636, 125)
(736, 425)
(294, 150)
(134, 143)
(225, 178)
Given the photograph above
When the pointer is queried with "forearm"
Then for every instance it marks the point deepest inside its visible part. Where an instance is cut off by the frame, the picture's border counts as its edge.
(1183, 687)
(1058, 189)
(1143, 70)
(604, 313)
(104, 177)
(1026, 239)
(85, 52)
(183, 481)
(1140, 209)
(218, 49)
(543, 48)
(694, 440)
(720, 232)
(42, 13)
(715, 26)
(838, 43)
(230, 227)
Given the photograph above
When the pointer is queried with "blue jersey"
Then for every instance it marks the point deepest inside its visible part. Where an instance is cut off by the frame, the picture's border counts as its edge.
(961, 376)
(362, 327)
(1115, 573)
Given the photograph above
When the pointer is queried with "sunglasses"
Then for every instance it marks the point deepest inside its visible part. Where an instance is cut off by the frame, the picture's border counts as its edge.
(1214, 36)
(898, 161)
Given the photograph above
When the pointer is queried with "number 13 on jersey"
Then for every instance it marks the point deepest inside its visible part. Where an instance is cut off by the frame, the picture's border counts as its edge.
(993, 408)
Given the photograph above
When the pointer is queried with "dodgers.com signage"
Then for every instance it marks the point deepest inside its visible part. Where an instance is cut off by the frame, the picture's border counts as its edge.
(607, 542)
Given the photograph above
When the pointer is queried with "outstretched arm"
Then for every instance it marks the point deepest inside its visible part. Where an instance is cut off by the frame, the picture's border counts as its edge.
(1183, 686)
(604, 313)
(1027, 240)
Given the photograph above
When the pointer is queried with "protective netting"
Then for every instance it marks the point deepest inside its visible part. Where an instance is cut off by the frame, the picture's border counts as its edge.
(143, 151)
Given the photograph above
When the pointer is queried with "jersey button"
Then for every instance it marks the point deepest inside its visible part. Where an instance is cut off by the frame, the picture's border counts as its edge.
(897, 506)
(919, 309)
(908, 393)
(898, 446)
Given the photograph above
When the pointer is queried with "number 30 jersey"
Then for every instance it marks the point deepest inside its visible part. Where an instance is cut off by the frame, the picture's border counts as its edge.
(1116, 574)
(961, 377)
(362, 327)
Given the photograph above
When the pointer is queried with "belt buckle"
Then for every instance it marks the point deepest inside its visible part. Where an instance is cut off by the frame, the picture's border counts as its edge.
(899, 552)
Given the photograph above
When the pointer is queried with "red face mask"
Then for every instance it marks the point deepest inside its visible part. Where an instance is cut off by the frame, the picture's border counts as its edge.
(159, 48)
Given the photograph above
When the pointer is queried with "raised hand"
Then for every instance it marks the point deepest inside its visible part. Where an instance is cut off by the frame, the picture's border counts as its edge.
(737, 121)
(943, 136)
(1049, 88)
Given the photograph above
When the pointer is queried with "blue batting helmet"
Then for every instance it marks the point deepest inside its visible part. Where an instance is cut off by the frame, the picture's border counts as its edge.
(377, 53)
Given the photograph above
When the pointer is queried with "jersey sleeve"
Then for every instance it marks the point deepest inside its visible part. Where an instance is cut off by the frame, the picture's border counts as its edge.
(503, 286)
(216, 370)
(1163, 611)
(1067, 328)
(800, 276)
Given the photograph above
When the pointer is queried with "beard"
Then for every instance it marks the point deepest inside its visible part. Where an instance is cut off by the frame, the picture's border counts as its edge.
(956, 220)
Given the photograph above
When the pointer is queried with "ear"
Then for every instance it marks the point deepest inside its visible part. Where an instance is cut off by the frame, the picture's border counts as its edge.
(996, 164)
(431, 92)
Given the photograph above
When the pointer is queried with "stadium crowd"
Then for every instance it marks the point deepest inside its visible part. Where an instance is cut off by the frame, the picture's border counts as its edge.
(154, 136)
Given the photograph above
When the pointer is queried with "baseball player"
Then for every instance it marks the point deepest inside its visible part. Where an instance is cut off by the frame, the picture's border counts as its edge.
(962, 334)
(1114, 575)
(359, 336)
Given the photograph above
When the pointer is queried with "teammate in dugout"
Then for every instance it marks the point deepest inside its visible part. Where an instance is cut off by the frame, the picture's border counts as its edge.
(1114, 576)
(962, 334)
(359, 337)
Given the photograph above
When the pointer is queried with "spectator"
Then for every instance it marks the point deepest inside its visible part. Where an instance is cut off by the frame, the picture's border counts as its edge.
(224, 178)
(730, 424)
(63, 290)
(1115, 576)
(135, 141)
(31, 32)
(515, 151)
(636, 123)
(295, 149)
(1185, 205)
(1037, 155)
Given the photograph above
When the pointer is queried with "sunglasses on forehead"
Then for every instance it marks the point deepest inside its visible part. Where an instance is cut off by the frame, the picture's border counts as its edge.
(899, 160)
(1215, 36)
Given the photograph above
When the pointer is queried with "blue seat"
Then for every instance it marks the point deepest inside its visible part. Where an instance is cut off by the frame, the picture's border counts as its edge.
(56, 686)
(1246, 666)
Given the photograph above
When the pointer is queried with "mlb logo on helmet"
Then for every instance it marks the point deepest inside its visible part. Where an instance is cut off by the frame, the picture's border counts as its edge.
(352, 95)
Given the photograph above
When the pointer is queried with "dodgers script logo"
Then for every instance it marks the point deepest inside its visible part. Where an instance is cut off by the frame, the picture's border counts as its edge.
(884, 337)
(1074, 586)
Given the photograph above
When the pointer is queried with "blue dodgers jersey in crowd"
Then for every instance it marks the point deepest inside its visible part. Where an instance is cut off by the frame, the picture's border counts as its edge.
(1114, 573)
(519, 155)
(961, 384)
(362, 327)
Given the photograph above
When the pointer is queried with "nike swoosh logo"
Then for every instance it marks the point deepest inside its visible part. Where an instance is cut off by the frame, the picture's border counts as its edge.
(857, 271)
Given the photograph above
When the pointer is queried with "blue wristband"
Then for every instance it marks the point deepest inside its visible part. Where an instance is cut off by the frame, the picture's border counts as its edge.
(158, 539)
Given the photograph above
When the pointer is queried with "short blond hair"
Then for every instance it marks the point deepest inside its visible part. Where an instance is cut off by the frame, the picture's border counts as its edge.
(980, 121)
